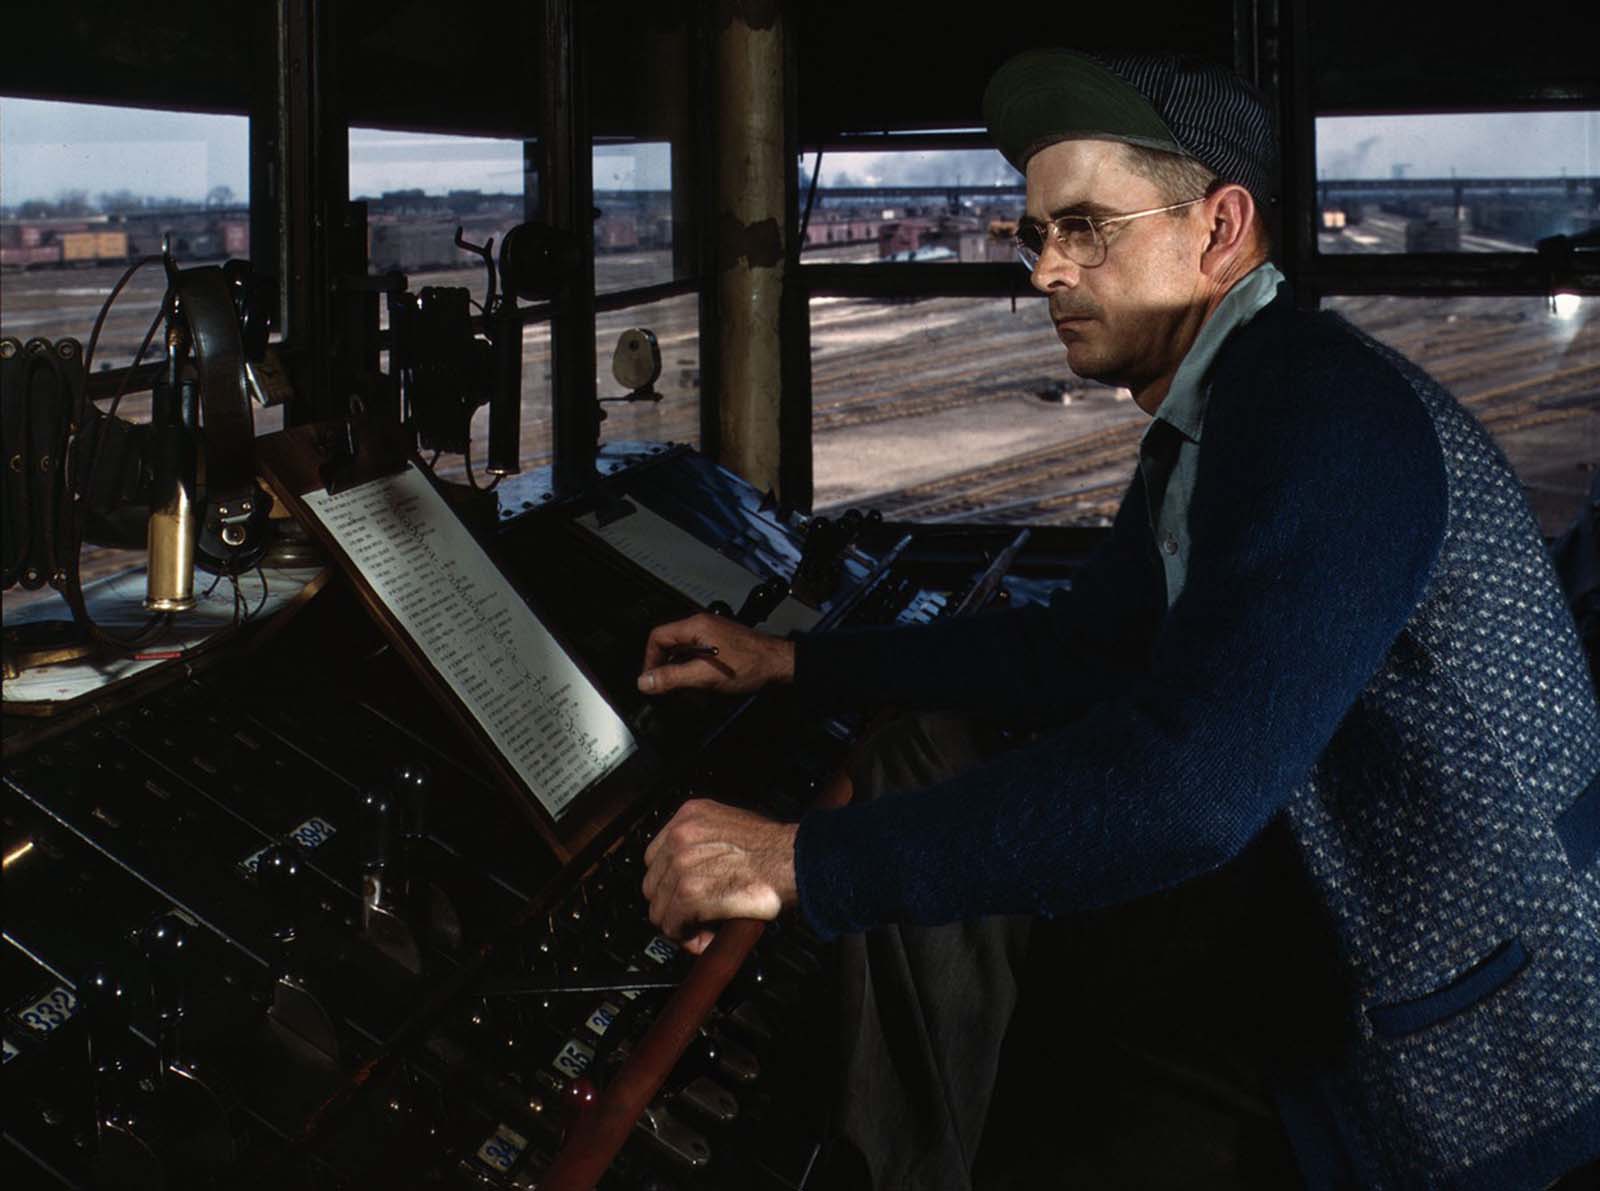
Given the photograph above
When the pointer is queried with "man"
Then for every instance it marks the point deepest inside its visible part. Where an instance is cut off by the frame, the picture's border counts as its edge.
(1315, 715)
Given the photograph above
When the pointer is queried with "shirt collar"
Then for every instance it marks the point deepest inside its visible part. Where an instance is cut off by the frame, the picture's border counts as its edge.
(1184, 408)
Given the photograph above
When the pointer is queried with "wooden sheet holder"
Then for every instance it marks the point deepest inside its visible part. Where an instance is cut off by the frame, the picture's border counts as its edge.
(304, 462)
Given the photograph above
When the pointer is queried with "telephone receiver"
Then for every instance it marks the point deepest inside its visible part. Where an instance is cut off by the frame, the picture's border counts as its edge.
(204, 421)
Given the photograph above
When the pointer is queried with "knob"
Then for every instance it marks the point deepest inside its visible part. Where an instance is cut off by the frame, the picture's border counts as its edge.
(104, 1002)
(165, 943)
(379, 828)
(752, 978)
(706, 1048)
(763, 598)
(578, 1099)
(412, 782)
(105, 1008)
(281, 875)
(541, 959)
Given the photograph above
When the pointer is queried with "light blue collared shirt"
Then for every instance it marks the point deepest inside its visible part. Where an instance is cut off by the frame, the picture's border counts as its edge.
(1170, 449)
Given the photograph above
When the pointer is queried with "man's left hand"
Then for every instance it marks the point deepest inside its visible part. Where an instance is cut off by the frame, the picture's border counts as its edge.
(712, 862)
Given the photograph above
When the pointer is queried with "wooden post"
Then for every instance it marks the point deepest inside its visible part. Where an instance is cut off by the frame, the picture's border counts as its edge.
(749, 231)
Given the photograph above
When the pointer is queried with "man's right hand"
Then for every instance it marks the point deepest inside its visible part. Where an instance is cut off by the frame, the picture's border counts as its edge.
(745, 660)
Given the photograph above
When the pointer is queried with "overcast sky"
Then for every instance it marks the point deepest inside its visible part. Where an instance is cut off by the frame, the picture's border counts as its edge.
(47, 148)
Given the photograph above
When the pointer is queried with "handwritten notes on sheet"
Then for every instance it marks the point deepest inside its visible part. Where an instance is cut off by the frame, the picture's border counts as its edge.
(537, 708)
(684, 562)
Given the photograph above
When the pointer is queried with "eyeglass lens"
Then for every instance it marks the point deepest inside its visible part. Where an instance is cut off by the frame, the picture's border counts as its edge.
(1075, 233)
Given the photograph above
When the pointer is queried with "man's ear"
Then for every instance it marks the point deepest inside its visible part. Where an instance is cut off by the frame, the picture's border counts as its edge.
(1229, 212)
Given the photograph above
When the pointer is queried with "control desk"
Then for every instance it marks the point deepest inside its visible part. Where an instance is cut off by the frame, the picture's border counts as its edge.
(269, 922)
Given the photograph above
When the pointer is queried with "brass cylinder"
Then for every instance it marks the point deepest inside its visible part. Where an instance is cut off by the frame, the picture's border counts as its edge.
(169, 582)
(750, 236)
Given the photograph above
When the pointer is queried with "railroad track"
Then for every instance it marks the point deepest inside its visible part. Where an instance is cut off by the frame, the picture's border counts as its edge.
(1498, 369)
(876, 363)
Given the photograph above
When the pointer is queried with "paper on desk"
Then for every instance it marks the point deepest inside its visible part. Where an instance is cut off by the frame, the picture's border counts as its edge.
(539, 710)
(685, 563)
(117, 605)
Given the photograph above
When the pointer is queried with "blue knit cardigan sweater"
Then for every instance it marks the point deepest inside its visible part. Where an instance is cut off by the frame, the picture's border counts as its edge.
(1371, 668)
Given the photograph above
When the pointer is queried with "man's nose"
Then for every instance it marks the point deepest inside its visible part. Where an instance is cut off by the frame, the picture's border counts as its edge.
(1055, 268)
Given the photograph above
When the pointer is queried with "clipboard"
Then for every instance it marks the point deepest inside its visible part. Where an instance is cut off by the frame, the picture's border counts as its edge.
(533, 711)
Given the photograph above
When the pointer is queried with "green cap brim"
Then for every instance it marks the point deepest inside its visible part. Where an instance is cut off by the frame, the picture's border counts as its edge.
(1044, 96)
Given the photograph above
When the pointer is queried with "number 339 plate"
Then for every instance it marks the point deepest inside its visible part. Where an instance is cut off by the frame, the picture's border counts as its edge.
(49, 1012)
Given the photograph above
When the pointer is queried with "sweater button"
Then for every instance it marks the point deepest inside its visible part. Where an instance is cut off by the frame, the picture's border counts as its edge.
(1170, 545)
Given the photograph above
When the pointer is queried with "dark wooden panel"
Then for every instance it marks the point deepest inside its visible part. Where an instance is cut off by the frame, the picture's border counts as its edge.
(1368, 55)
(184, 54)
(869, 67)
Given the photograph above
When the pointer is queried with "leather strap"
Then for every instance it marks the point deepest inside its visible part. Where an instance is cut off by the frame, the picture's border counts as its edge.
(43, 392)
(207, 306)
(15, 373)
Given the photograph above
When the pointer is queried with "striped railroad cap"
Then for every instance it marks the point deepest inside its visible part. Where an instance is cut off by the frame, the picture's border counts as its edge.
(1180, 105)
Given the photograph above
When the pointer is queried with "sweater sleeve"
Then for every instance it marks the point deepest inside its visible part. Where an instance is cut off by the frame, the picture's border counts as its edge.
(1319, 508)
(1037, 664)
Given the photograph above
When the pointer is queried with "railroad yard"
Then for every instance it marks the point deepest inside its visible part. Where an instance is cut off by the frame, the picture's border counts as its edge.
(947, 409)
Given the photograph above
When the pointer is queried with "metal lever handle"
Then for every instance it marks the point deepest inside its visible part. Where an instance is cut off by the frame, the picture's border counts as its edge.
(413, 784)
(380, 832)
(761, 601)
(281, 876)
(165, 943)
(105, 1008)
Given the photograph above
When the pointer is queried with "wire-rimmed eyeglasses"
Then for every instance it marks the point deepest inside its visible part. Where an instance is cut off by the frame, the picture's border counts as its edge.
(1081, 237)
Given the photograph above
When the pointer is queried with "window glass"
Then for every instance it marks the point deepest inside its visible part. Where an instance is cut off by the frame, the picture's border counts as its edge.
(1526, 367)
(1481, 182)
(535, 449)
(675, 322)
(420, 187)
(950, 409)
(633, 233)
(85, 189)
(944, 206)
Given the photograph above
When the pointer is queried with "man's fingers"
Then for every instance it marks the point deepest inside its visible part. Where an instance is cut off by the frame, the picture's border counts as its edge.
(661, 901)
(692, 630)
(673, 915)
(712, 862)
(701, 672)
(665, 859)
(697, 943)
(653, 848)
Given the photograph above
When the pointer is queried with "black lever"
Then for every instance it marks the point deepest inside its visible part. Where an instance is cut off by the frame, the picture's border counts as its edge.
(381, 843)
(193, 1127)
(413, 783)
(394, 817)
(280, 873)
(385, 872)
(297, 1013)
(105, 1010)
(486, 251)
(122, 1157)
(759, 604)
(165, 943)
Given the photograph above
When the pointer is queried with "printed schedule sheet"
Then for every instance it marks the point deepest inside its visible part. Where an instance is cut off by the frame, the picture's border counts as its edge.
(548, 721)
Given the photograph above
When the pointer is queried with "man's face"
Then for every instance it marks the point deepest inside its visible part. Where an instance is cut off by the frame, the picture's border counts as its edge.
(1129, 320)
